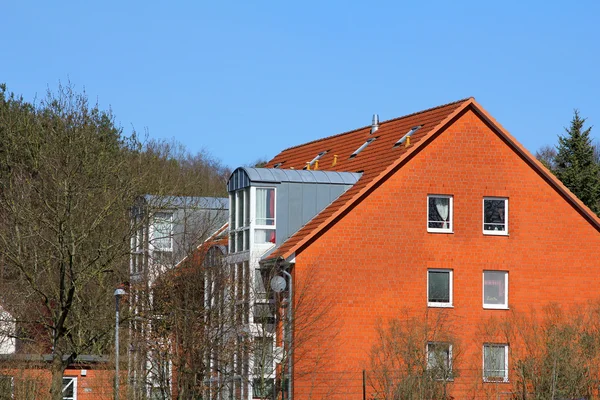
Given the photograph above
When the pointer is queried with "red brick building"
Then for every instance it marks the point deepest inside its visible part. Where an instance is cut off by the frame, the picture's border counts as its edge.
(449, 216)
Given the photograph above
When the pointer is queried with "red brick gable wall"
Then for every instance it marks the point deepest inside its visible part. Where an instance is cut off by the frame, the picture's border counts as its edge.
(373, 262)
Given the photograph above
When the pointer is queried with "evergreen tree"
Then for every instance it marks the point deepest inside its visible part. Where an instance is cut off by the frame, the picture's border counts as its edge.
(575, 164)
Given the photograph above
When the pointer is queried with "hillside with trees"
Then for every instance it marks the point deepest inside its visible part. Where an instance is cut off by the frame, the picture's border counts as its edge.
(68, 177)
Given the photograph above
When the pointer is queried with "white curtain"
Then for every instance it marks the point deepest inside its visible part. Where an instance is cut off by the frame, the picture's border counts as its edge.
(442, 205)
(261, 206)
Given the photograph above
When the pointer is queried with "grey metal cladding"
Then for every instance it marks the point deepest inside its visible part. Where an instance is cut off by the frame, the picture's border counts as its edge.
(301, 194)
(242, 177)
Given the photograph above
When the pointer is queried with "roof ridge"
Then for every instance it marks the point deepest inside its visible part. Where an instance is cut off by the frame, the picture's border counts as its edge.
(374, 181)
(382, 122)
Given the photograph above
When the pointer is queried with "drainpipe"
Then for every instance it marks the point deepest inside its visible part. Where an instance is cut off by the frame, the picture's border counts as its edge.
(290, 333)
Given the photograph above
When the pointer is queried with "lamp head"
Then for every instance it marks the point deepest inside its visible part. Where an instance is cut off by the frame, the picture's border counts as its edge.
(119, 292)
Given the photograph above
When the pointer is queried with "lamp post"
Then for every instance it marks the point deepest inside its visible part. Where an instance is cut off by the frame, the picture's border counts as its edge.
(278, 284)
(118, 294)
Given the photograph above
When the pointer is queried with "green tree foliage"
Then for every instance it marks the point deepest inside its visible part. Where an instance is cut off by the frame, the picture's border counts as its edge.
(576, 165)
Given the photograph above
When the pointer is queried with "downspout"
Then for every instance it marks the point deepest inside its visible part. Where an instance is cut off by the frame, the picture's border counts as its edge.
(290, 331)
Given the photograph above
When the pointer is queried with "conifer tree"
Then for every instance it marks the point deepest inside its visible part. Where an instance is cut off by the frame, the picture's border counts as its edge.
(575, 164)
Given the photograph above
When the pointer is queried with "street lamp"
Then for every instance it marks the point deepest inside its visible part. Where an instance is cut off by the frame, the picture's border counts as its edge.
(278, 284)
(118, 294)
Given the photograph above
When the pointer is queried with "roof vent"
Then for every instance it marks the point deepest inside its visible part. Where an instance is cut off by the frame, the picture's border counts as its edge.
(375, 123)
(362, 147)
(315, 161)
(406, 137)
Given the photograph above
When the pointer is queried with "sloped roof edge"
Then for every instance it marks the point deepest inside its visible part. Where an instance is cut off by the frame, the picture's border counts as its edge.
(509, 139)
(212, 239)
(546, 174)
(169, 202)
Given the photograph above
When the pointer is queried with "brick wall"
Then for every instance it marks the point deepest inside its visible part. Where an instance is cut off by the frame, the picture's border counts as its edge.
(372, 264)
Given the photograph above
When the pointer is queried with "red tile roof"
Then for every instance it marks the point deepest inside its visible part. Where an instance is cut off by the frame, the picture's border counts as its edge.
(374, 160)
(381, 158)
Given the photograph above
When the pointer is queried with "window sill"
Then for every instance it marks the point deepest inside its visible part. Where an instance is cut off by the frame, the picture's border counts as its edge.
(496, 380)
(440, 231)
(493, 307)
(495, 233)
(439, 305)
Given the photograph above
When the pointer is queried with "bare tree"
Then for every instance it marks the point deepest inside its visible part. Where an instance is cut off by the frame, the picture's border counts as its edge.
(554, 353)
(547, 156)
(415, 357)
(64, 229)
(287, 330)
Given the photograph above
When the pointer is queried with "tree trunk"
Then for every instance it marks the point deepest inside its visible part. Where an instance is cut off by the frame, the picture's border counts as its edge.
(57, 369)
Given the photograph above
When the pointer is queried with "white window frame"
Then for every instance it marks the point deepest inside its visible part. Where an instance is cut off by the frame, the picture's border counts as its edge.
(153, 233)
(495, 306)
(495, 379)
(450, 284)
(490, 232)
(74, 383)
(239, 216)
(429, 366)
(254, 219)
(450, 228)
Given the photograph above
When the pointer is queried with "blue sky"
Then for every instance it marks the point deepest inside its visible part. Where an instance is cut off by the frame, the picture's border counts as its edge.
(244, 80)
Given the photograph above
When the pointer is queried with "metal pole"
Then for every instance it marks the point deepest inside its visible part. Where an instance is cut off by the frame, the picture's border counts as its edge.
(290, 334)
(118, 294)
(364, 384)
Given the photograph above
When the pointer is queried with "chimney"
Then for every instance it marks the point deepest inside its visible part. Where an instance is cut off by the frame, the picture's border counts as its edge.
(375, 123)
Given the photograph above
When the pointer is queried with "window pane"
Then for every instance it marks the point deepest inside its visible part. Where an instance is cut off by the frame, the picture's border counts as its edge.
(240, 208)
(265, 206)
(439, 287)
(247, 207)
(494, 361)
(163, 227)
(263, 356)
(263, 388)
(263, 313)
(260, 277)
(68, 391)
(494, 287)
(494, 214)
(438, 356)
(264, 236)
(232, 208)
(240, 241)
(439, 212)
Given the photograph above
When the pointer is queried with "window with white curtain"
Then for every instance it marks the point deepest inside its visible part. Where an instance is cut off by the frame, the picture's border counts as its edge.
(264, 217)
(439, 213)
(495, 289)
